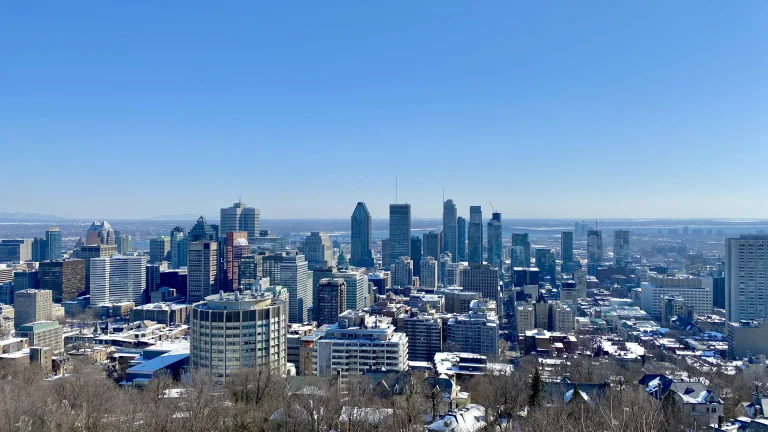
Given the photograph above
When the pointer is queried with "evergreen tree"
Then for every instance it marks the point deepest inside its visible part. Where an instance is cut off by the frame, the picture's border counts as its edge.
(534, 397)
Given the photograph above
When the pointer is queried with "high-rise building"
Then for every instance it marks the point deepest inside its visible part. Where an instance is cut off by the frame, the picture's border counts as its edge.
(152, 276)
(118, 279)
(425, 335)
(202, 231)
(495, 254)
(443, 265)
(17, 249)
(159, 249)
(202, 269)
(416, 254)
(402, 272)
(178, 248)
(476, 332)
(87, 252)
(235, 245)
(39, 249)
(547, 265)
(53, 244)
(26, 279)
(240, 217)
(475, 235)
(718, 289)
(356, 286)
(450, 229)
(457, 300)
(483, 279)
(566, 252)
(621, 253)
(362, 249)
(100, 233)
(32, 305)
(399, 231)
(746, 277)
(431, 244)
(385, 253)
(253, 327)
(520, 253)
(64, 278)
(123, 243)
(594, 251)
(290, 270)
(318, 250)
(428, 278)
(461, 229)
(331, 300)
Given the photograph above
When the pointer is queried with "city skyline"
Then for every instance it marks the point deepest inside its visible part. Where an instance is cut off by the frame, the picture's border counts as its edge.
(624, 119)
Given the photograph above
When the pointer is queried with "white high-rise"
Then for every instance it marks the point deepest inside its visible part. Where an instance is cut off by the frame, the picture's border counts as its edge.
(294, 276)
(746, 277)
(118, 279)
(357, 287)
(428, 278)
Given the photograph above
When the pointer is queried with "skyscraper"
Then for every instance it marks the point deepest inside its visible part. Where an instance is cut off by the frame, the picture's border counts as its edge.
(431, 244)
(746, 277)
(594, 251)
(521, 250)
(100, 233)
(236, 243)
(39, 249)
(461, 229)
(240, 217)
(399, 231)
(294, 276)
(416, 253)
(318, 250)
(428, 279)
(362, 249)
(88, 252)
(385, 253)
(483, 279)
(402, 272)
(331, 301)
(118, 279)
(202, 269)
(475, 235)
(545, 262)
(65, 279)
(495, 255)
(450, 228)
(159, 249)
(566, 251)
(202, 232)
(123, 243)
(53, 244)
(178, 248)
(621, 253)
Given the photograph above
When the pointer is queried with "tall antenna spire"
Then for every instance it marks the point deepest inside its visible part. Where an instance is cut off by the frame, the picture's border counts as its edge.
(396, 201)
(443, 194)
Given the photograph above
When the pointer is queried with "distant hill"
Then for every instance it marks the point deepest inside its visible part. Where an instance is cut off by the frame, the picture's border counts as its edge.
(177, 217)
(28, 217)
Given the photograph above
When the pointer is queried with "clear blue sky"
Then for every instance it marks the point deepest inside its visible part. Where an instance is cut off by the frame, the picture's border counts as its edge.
(569, 109)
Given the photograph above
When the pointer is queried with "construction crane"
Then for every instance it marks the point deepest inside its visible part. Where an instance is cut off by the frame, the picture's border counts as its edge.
(596, 222)
(493, 209)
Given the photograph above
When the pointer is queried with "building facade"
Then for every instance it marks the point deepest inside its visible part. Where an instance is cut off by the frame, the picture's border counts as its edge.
(450, 228)
(202, 269)
(331, 300)
(428, 278)
(495, 254)
(594, 251)
(475, 235)
(240, 217)
(399, 231)
(746, 277)
(361, 254)
(119, 279)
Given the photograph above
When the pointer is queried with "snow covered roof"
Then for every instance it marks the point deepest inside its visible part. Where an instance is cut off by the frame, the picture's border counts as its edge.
(470, 418)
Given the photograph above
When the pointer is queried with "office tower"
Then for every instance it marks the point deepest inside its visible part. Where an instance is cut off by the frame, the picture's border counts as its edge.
(547, 265)
(290, 270)
(495, 254)
(123, 243)
(402, 272)
(362, 248)
(16, 250)
(236, 243)
(451, 273)
(152, 276)
(175, 279)
(399, 231)
(461, 229)
(64, 278)
(483, 279)
(202, 231)
(118, 279)
(594, 251)
(566, 252)
(26, 279)
(476, 332)
(178, 248)
(621, 253)
(450, 229)
(318, 250)
(331, 300)
(431, 244)
(53, 243)
(384, 349)
(696, 291)
(718, 289)
(428, 278)
(202, 269)
(252, 326)
(39, 249)
(43, 334)
(32, 305)
(100, 233)
(356, 286)
(475, 235)
(416, 254)
(524, 276)
(159, 249)
(425, 335)
(521, 250)
(240, 217)
(442, 269)
(248, 273)
(746, 277)
(87, 252)
(385, 253)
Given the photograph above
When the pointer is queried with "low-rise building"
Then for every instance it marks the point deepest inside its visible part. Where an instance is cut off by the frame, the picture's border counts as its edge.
(162, 313)
(747, 338)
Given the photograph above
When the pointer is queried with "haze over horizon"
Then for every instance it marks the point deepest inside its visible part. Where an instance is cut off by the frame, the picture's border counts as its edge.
(572, 110)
